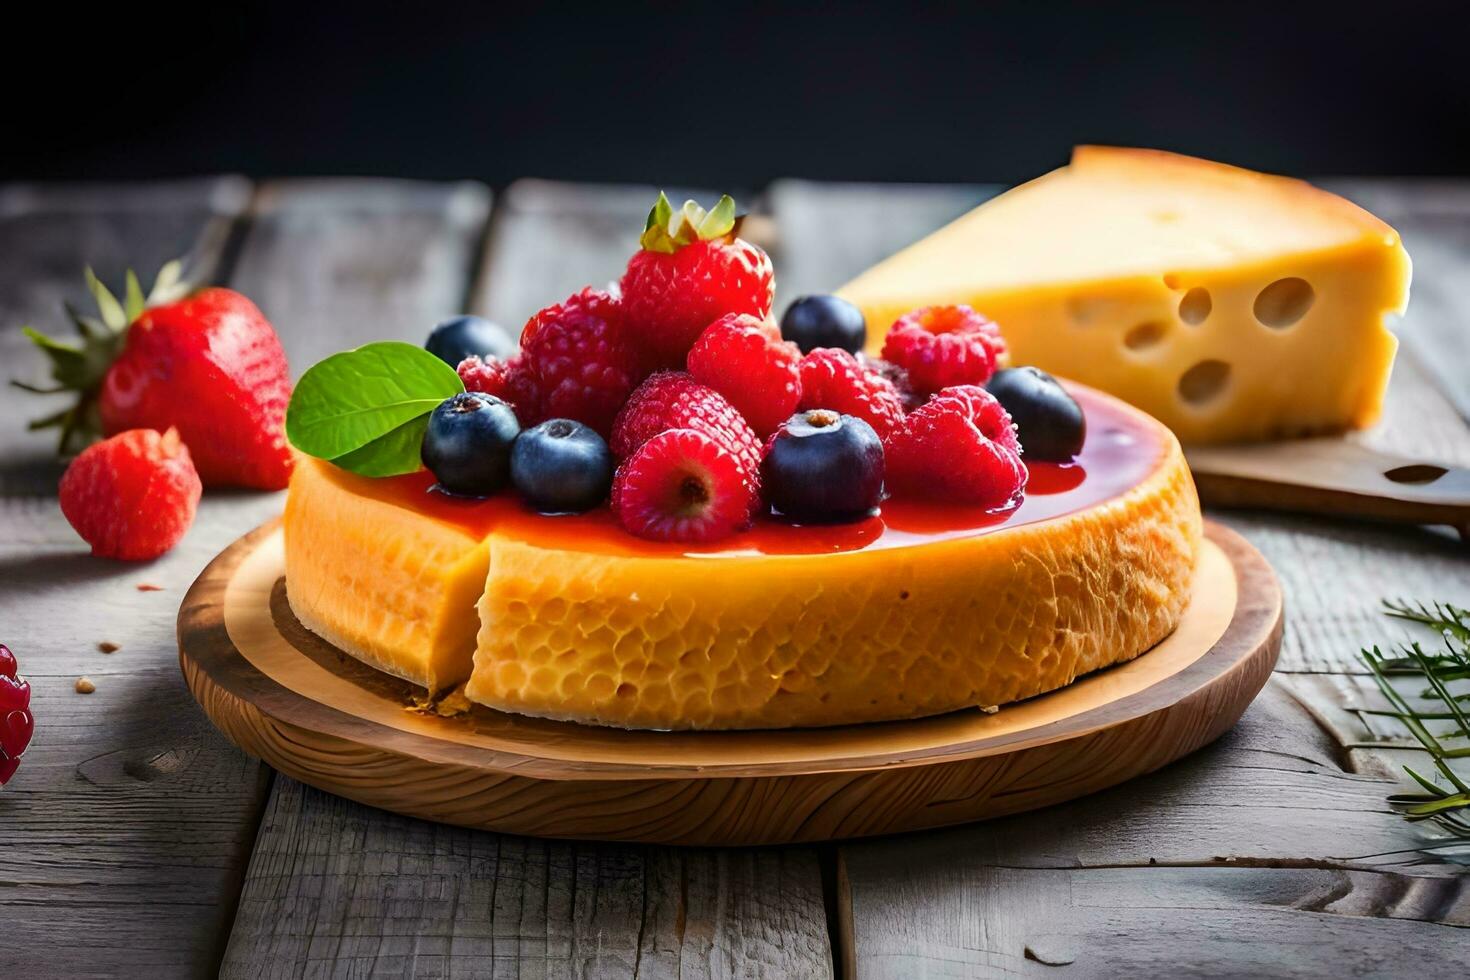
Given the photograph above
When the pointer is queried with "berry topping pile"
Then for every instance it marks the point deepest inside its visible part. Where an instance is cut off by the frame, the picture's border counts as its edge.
(675, 400)
(16, 723)
(943, 346)
(132, 496)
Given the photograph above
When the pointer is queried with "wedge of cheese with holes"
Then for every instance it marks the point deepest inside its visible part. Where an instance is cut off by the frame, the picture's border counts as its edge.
(1231, 305)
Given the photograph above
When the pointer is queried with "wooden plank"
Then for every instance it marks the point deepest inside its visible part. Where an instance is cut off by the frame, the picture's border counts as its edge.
(128, 824)
(349, 891)
(337, 889)
(1128, 882)
(1234, 863)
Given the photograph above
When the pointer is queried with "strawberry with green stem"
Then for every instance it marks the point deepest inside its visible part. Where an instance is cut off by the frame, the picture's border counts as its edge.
(693, 268)
(207, 363)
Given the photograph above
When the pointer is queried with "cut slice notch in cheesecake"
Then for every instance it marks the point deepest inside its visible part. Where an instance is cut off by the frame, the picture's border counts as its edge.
(1231, 305)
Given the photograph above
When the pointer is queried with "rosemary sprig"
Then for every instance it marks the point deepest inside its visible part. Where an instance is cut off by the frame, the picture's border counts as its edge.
(1446, 806)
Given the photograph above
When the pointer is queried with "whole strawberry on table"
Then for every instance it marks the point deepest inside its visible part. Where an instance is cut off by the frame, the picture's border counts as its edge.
(190, 390)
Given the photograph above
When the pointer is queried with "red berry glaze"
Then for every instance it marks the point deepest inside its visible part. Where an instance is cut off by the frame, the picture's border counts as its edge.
(585, 362)
(834, 379)
(670, 299)
(745, 359)
(960, 447)
(943, 346)
(132, 496)
(683, 485)
(212, 367)
(674, 400)
(16, 723)
(512, 381)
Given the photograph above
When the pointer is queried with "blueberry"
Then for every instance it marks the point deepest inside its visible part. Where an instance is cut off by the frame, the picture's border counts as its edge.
(561, 467)
(459, 337)
(468, 443)
(824, 321)
(1048, 421)
(823, 466)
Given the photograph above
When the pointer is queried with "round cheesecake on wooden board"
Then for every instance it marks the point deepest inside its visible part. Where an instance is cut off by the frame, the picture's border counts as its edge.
(918, 611)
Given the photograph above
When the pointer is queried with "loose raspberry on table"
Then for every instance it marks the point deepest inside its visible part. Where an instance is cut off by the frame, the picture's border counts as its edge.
(960, 447)
(683, 485)
(745, 359)
(674, 400)
(16, 723)
(690, 271)
(834, 379)
(132, 496)
(512, 381)
(943, 346)
(584, 359)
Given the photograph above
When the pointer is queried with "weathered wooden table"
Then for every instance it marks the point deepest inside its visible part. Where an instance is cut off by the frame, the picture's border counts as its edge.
(137, 842)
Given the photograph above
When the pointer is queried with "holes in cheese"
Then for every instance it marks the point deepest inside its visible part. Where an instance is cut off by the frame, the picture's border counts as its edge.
(1204, 382)
(1284, 302)
(1195, 307)
(1144, 336)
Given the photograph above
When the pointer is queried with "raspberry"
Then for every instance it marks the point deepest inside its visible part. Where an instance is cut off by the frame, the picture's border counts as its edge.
(16, 723)
(683, 485)
(132, 496)
(834, 379)
(746, 360)
(691, 271)
(959, 447)
(673, 400)
(584, 361)
(895, 376)
(943, 346)
(512, 381)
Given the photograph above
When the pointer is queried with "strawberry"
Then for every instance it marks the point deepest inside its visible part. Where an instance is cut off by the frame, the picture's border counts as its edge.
(131, 496)
(207, 364)
(692, 270)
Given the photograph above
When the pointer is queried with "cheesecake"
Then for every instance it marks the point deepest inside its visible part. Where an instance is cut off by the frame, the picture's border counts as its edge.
(916, 610)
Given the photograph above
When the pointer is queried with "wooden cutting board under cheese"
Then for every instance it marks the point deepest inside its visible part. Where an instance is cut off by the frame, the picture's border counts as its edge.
(1244, 310)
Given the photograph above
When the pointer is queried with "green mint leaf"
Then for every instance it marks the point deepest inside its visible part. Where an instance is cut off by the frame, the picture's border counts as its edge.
(358, 408)
(391, 455)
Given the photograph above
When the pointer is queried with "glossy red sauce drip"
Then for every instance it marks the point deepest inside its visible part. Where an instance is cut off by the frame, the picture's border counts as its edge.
(1121, 450)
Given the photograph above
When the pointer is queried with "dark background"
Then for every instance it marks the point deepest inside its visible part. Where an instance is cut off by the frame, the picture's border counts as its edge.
(731, 95)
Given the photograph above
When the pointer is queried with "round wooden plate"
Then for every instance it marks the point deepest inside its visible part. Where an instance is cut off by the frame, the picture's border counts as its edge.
(288, 697)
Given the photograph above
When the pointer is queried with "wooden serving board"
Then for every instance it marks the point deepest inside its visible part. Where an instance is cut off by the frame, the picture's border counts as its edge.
(291, 699)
